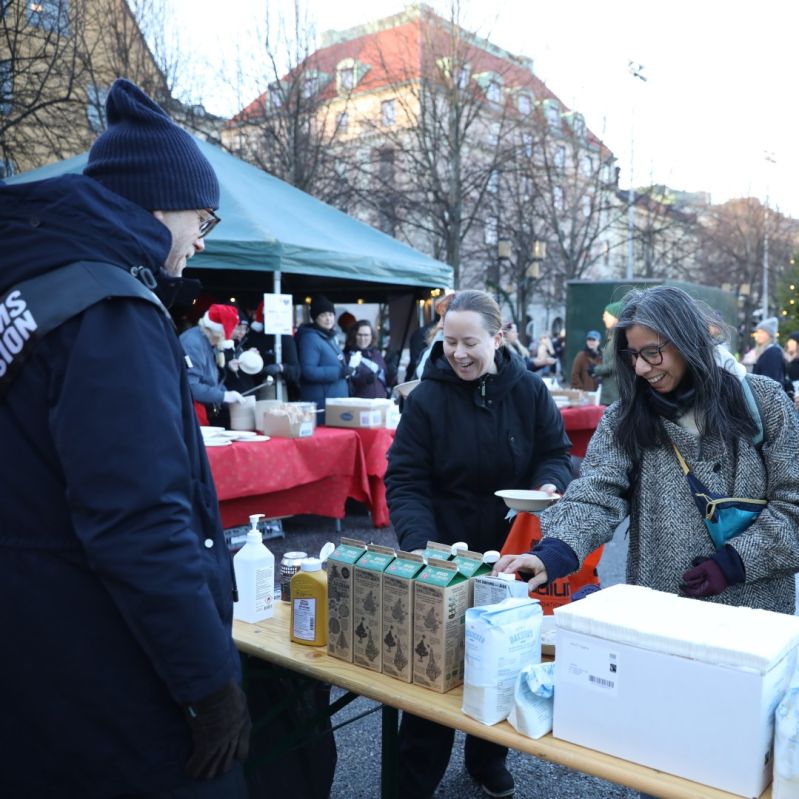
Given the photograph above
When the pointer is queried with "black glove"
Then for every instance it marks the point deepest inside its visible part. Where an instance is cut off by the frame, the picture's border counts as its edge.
(273, 370)
(590, 370)
(220, 732)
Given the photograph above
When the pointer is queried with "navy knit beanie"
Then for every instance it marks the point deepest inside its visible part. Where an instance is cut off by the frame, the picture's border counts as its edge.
(321, 304)
(146, 158)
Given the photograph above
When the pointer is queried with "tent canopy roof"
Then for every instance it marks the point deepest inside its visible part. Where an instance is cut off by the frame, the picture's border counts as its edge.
(269, 225)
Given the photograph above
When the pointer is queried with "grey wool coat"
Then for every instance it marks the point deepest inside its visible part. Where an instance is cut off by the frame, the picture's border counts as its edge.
(666, 529)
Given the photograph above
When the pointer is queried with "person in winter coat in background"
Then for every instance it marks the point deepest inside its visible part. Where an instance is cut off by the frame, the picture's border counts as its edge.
(478, 422)
(585, 363)
(288, 369)
(676, 397)
(205, 346)
(770, 360)
(606, 371)
(324, 370)
(115, 579)
(366, 364)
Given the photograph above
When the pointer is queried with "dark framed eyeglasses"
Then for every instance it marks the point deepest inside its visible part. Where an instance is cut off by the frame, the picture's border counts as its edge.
(207, 223)
(652, 355)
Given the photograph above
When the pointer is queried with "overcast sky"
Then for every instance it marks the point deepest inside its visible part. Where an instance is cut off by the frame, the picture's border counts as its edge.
(721, 89)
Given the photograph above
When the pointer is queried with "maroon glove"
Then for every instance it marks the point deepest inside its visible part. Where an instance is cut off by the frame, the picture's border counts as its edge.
(705, 579)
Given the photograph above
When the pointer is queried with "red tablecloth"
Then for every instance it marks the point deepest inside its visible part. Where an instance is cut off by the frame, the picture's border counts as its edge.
(375, 445)
(580, 423)
(287, 476)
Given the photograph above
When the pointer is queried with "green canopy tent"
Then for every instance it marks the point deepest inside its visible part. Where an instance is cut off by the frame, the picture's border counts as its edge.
(269, 226)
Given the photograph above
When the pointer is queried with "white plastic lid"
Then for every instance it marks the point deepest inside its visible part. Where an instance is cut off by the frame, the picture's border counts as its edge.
(311, 565)
(459, 546)
(491, 556)
(326, 551)
(508, 577)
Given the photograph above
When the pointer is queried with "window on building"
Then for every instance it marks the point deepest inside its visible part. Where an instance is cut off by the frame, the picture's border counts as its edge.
(527, 143)
(587, 206)
(560, 157)
(493, 182)
(95, 108)
(7, 167)
(587, 164)
(558, 198)
(524, 104)
(346, 78)
(578, 125)
(275, 96)
(491, 232)
(494, 92)
(50, 15)
(342, 122)
(6, 86)
(553, 114)
(464, 76)
(388, 113)
(309, 86)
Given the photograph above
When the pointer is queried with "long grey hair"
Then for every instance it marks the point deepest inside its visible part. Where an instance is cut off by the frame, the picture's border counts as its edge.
(694, 330)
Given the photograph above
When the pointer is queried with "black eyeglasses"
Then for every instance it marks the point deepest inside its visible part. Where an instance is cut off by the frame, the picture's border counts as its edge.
(207, 223)
(652, 355)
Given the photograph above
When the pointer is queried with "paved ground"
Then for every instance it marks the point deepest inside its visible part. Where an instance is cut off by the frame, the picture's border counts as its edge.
(358, 743)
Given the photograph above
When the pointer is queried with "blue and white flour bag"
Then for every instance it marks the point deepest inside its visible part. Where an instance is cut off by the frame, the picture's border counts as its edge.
(501, 640)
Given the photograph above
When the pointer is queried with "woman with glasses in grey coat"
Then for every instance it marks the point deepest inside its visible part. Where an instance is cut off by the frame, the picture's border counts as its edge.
(676, 397)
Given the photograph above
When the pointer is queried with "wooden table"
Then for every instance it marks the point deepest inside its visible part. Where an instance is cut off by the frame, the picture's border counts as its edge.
(269, 640)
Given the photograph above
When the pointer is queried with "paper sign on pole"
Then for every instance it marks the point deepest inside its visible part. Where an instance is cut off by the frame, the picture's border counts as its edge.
(278, 314)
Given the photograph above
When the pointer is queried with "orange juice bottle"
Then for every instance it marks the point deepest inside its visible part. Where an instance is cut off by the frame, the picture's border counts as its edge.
(309, 604)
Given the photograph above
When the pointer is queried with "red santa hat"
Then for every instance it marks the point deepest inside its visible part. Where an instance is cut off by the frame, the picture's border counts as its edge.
(221, 319)
(258, 320)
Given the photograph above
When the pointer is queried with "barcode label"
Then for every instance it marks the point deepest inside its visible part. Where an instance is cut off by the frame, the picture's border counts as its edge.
(591, 664)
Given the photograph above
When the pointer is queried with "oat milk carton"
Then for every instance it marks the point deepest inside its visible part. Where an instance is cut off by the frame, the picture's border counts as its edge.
(340, 573)
(367, 618)
(398, 590)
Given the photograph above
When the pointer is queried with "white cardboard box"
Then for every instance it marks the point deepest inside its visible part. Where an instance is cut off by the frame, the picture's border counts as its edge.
(680, 685)
(360, 412)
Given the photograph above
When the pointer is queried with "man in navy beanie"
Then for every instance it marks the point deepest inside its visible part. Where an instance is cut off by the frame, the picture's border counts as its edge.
(115, 582)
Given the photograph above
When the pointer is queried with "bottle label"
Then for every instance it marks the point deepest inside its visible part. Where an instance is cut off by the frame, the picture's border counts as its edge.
(305, 619)
(264, 589)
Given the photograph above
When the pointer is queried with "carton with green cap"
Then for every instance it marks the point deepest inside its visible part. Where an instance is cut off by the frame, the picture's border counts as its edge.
(398, 589)
(441, 596)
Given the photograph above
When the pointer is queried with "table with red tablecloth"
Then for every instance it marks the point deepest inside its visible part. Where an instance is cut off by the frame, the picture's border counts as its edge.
(288, 476)
(375, 445)
(580, 423)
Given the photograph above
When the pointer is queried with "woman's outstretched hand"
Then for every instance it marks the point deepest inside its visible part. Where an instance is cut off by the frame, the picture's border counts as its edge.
(528, 567)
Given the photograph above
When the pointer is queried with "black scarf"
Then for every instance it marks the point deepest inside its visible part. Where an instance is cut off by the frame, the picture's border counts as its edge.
(673, 404)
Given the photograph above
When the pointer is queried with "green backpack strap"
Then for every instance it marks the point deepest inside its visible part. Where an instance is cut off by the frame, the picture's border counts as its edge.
(32, 309)
(759, 438)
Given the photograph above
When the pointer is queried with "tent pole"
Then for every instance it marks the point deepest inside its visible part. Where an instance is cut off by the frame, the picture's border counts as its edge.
(276, 289)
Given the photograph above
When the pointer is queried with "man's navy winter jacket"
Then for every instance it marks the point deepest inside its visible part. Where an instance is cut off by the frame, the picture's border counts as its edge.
(115, 582)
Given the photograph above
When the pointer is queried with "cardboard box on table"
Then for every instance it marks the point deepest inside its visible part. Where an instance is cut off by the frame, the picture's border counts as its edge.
(680, 685)
(340, 575)
(285, 419)
(440, 597)
(367, 618)
(355, 412)
(398, 590)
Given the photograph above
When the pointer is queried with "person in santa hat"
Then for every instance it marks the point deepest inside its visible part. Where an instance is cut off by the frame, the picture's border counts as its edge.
(205, 346)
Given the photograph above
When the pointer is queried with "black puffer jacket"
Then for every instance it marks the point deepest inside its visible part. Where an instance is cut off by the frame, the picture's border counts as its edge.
(458, 442)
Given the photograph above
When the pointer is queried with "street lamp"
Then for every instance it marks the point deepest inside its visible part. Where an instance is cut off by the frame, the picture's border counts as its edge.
(636, 71)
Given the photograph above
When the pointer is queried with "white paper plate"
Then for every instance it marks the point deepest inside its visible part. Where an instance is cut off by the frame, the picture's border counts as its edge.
(217, 442)
(253, 438)
(207, 431)
(517, 499)
(237, 435)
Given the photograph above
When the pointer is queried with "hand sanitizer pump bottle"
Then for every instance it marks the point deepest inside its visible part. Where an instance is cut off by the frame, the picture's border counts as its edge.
(254, 566)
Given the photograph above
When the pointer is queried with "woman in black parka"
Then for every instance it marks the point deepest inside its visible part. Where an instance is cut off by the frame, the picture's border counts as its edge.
(478, 422)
